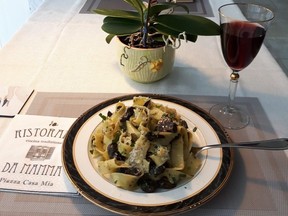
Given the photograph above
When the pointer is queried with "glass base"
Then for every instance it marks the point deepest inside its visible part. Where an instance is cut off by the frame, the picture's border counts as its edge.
(230, 117)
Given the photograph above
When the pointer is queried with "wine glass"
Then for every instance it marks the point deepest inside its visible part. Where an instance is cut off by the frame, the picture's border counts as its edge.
(242, 30)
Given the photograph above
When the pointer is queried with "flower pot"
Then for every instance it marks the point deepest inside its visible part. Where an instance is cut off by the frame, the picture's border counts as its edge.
(145, 65)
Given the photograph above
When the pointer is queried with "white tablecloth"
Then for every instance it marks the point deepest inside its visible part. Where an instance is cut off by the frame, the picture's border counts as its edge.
(60, 50)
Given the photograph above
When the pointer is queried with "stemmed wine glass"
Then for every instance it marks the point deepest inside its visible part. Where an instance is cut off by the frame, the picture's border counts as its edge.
(243, 27)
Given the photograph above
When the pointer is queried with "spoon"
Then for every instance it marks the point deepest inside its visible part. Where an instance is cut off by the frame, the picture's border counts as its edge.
(273, 144)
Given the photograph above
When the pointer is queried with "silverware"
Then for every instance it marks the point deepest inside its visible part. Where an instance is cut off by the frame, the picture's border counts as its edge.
(273, 144)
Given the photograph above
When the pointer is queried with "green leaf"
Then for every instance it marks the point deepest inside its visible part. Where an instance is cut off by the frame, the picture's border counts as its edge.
(118, 13)
(138, 5)
(109, 38)
(168, 31)
(193, 25)
(157, 8)
(120, 26)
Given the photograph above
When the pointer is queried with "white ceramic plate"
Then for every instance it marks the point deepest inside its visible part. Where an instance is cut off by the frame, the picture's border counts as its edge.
(215, 170)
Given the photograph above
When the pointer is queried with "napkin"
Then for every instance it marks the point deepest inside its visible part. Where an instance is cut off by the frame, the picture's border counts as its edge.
(30, 156)
(12, 99)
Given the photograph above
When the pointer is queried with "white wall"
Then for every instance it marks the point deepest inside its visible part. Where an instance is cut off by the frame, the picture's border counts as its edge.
(13, 14)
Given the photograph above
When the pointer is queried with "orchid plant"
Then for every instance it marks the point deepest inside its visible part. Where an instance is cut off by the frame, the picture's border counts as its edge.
(152, 24)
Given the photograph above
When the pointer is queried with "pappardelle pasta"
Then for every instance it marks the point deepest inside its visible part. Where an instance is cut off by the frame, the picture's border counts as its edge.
(145, 146)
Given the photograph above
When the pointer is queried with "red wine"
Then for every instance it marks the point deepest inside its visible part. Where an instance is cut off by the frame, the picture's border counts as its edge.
(240, 43)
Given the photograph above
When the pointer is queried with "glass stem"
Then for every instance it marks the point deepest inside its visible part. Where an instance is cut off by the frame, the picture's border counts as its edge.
(234, 76)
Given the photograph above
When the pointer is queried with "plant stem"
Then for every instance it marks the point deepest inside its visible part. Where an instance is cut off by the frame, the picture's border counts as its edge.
(145, 28)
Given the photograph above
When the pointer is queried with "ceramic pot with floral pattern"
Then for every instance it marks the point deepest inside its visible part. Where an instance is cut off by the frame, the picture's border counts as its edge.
(145, 65)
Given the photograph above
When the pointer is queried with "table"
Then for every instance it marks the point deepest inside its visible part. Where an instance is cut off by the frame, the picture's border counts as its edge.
(59, 51)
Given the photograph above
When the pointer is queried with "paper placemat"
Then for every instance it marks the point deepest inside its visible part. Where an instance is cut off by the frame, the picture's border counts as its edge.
(199, 7)
(74, 104)
(257, 186)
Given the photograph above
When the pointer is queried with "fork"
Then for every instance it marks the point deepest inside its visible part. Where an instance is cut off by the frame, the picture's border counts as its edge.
(273, 144)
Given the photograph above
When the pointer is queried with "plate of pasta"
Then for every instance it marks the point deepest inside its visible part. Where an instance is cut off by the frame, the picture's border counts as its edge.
(131, 154)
